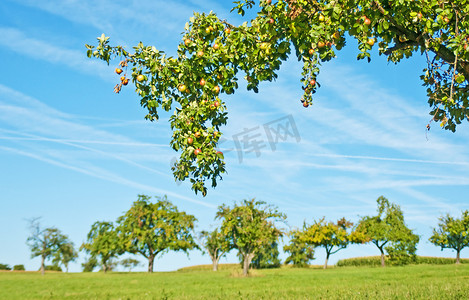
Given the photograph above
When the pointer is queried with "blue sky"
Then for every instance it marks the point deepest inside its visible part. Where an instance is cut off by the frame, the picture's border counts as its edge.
(73, 152)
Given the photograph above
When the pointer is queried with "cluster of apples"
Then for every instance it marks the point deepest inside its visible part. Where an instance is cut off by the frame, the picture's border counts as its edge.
(124, 79)
(197, 151)
(311, 85)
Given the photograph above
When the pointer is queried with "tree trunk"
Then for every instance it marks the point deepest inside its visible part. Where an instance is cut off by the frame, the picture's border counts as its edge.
(151, 259)
(327, 258)
(246, 262)
(215, 263)
(43, 258)
(383, 264)
(104, 268)
(457, 256)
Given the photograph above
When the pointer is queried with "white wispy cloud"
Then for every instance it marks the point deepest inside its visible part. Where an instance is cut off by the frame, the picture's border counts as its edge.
(17, 41)
(32, 122)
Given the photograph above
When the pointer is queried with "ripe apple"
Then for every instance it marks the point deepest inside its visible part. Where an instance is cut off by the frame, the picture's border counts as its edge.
(446, 20)
(212, 107)
(312, 82)
(207, 30)
(329, 44)
(227, 31)
(465, 47)
(190, 141)
(202, 82)
(125, 81)
(311, 51)
(122, 78)
(216, 103)
(216, 89)
(370, 41)
(419, 15)
(268, 2)
(215, 134)
(118, 70)
(140, 78)
(367, 21)
(264, 46)
(187, 42)
(305, 104)
(321, 44)
(197, 134)
(197, 151)
(216, 46)
(271, 21)
(200, 53)
(321, 18)
(182, 88)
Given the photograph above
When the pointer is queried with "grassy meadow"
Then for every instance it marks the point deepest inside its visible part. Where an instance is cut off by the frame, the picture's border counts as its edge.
(407, 282)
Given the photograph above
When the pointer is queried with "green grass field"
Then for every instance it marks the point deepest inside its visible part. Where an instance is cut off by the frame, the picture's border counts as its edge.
(408, 282)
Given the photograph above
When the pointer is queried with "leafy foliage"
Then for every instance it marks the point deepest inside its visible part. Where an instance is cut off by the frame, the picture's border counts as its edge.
(389, 233)
(300, 252)
(19, 268)
(213, 52)
(90, 264)
(129, 263)
(155, 228)
(266, 257)
(102, 242)
(65, 254)
(452, 233)
(249, 226)
(5, 267)
(53, 267)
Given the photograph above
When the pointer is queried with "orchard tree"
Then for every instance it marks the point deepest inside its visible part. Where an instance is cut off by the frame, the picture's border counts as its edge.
(213, 53)
(266, 257)
(332, 236)
(90, 264)
(65, 254)
(249, 226)
(45, 242)
(151, 229)
(452, 233)
(388, 231)
(216, 245)
(102, 242)
(129, 263)
(300, 252)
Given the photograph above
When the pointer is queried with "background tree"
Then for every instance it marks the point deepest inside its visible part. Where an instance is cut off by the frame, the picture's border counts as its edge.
(155, 228)
(90, 264)
(45, 243)
(216, 245)
(300, 253)
(332, 236)
(65, 254)
(129, 263)
(388, 231)
(102, 242)
(213, 52)
(266, 257)
(452, 233)
(249, 226)
(18, 268)
(5, 267)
